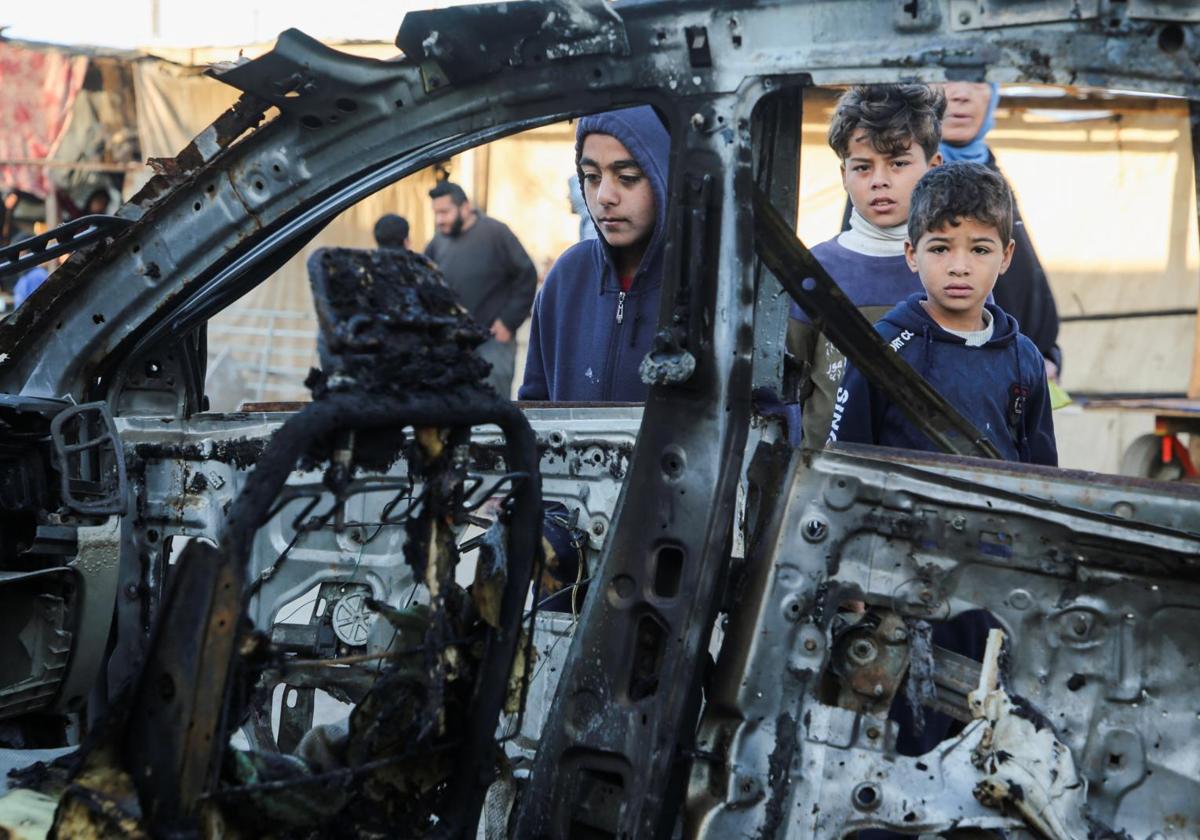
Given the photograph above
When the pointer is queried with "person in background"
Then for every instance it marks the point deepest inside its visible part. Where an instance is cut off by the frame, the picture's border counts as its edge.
(29, 282)
(490, 272)
(886, 137)
(1025, 293)
(391, 232)
(587, 230)
(96, 204)
(8, 225)
(594, 319)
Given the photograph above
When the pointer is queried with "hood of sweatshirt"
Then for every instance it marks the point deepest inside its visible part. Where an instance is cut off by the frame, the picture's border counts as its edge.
(909, 315)
(641, 132)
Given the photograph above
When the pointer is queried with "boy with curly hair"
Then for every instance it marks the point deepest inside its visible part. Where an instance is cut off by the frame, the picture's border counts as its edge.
(887, 137)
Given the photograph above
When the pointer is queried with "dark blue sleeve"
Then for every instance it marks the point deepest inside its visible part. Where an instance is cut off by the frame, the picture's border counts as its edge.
(1039, 422)
(535, 387)
(856, 410)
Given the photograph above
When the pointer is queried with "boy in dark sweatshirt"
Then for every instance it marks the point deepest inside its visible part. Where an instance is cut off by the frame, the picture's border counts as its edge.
(972, 352)
(960, 240)
(594, 319)
(887, 137)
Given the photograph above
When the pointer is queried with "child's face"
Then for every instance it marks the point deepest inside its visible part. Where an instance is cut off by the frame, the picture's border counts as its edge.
(958, 267)
(618, 193)
(880, 185)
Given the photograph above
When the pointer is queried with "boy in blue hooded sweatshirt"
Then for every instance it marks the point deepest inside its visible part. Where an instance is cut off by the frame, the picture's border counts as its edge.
(594, 319)
(960, 240)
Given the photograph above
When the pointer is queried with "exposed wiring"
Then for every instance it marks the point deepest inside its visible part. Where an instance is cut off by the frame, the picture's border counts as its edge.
(270, 571)
(342, 775)
(580, 567)
(555, 594)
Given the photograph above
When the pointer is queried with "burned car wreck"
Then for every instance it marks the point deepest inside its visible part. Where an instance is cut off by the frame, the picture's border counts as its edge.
(149, 548)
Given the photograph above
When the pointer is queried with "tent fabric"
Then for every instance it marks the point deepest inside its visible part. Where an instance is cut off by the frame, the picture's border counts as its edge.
(174, 104)
(102, 127)
(40, 88)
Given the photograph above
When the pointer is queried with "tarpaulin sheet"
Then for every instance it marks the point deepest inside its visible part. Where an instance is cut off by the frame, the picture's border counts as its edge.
(102, 129)
(174, 104)
(37, 92)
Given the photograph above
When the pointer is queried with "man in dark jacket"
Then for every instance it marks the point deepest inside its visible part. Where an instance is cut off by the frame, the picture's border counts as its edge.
(594, 320)
(490, 272)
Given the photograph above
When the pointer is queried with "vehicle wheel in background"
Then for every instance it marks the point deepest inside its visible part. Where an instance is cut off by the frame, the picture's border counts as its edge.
(1144, 459)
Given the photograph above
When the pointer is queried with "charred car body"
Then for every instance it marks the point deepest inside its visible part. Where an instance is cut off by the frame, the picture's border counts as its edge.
(1079, 722)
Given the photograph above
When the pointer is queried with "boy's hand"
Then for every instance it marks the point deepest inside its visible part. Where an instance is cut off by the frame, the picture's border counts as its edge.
(500, 332)
(1051, 371)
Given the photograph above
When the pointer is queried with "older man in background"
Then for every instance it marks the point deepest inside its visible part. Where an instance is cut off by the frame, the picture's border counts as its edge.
(490, 272)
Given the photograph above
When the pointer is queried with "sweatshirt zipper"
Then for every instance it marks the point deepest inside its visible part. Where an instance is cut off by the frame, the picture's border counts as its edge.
(613, 349)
